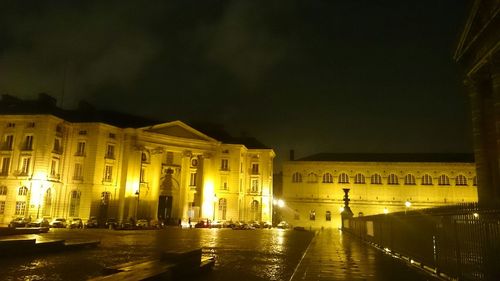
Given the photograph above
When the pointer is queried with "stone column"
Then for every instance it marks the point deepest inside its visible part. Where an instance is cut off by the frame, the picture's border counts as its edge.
(484, 136)
(184, 189)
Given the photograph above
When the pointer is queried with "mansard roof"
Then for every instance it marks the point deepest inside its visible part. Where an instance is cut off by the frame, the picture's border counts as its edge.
(392, 157)
(85, 112)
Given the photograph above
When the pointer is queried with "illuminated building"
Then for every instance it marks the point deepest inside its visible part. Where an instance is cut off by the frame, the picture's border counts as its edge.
(478, 53)
(81, 164)
(378, 183)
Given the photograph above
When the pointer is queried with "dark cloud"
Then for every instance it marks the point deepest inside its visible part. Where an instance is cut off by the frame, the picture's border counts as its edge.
(340, 76)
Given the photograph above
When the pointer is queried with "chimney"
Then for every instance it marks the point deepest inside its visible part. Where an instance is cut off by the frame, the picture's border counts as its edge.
(292, 155)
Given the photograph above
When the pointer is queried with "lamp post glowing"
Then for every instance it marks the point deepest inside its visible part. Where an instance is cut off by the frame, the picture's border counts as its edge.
(386, 211)
(215, 201)
(407, 205)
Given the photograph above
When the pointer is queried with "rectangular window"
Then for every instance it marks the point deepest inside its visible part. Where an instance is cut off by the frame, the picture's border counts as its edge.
(57, 146)
(9, 142)
(30, 125)
(110, 151)
(54, 168)
(20, 208)
(192, 179)
(2, 207)
(25, 165)
(328, 216)
(255, 185)
(78, 172)
(28, 143)
(5, 166)
(108, 173)
(223, 183)
(143, 174)
(224, 166)
(11, 125)
(255, 169)
(80, 148)
(82, 133)
(112, 136)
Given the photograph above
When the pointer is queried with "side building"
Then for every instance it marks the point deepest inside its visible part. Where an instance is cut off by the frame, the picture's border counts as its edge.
(379, 183)
(53, 166)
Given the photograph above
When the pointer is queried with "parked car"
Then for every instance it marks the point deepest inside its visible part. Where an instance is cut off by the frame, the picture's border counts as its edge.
(142, 223)
(283, 225)
(58, 223)
(111, 223)
(40, 222)
(92, 222)
(19, 222)
(201, 224)
(75, 223)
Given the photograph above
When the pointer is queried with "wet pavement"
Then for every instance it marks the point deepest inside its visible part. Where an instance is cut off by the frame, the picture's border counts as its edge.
(336, 256)
(267, 254)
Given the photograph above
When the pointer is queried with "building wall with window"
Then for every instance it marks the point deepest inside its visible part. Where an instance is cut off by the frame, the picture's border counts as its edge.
(313, 190)
(56, 168)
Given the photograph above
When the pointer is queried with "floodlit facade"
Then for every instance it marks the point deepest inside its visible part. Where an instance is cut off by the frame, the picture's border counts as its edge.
(170, 171)
(313, 187)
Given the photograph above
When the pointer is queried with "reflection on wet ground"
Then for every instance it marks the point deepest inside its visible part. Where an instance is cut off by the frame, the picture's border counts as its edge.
(268, 254)
(336, 256)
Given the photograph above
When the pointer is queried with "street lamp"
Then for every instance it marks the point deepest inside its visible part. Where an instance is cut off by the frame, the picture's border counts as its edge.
(408, 205)
(137, 193)
(215, 201)
(386, 211)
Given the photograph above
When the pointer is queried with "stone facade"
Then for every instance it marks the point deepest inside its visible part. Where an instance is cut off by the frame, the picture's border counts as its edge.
(478, 53)
(57, 168)
(313, 193)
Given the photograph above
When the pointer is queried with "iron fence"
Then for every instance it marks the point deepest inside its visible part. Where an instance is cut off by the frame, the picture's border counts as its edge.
(460, 241)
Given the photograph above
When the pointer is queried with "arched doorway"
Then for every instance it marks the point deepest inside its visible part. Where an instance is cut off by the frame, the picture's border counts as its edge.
(169, 190)
(47, 202)
(255, 211)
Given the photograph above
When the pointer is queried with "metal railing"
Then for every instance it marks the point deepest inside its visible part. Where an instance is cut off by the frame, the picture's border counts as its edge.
(460, 241)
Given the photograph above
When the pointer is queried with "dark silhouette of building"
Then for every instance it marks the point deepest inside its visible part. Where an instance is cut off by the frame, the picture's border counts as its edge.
(478, 53)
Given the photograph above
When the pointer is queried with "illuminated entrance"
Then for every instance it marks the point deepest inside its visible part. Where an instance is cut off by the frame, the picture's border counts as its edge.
(165, 208)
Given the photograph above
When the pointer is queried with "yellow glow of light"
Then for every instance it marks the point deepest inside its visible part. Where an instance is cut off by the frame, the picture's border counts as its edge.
(341, 209)
(208, 197)
(281, 203)
(476, 215)
(386, 211)
(408, 204)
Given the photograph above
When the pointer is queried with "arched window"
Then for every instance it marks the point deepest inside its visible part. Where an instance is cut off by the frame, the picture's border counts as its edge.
(23, 191)
(254, 208)
(222, 208)
(461, 180)
(392, 179)
(343, 178)
(443, 180)
(327, 178)
(426, 179)
(410, 179)
(312, 177)
(359, 179)
(376, 179)
(296, 177)
(474, 181)
(3, 190)
(74, 203)
(312, 215)
(47, 202)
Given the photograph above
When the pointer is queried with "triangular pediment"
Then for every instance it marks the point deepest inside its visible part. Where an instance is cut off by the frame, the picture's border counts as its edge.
(178, 129)
(480, 17)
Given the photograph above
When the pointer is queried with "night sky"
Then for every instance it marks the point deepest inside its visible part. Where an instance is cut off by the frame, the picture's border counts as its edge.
(314, 76)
